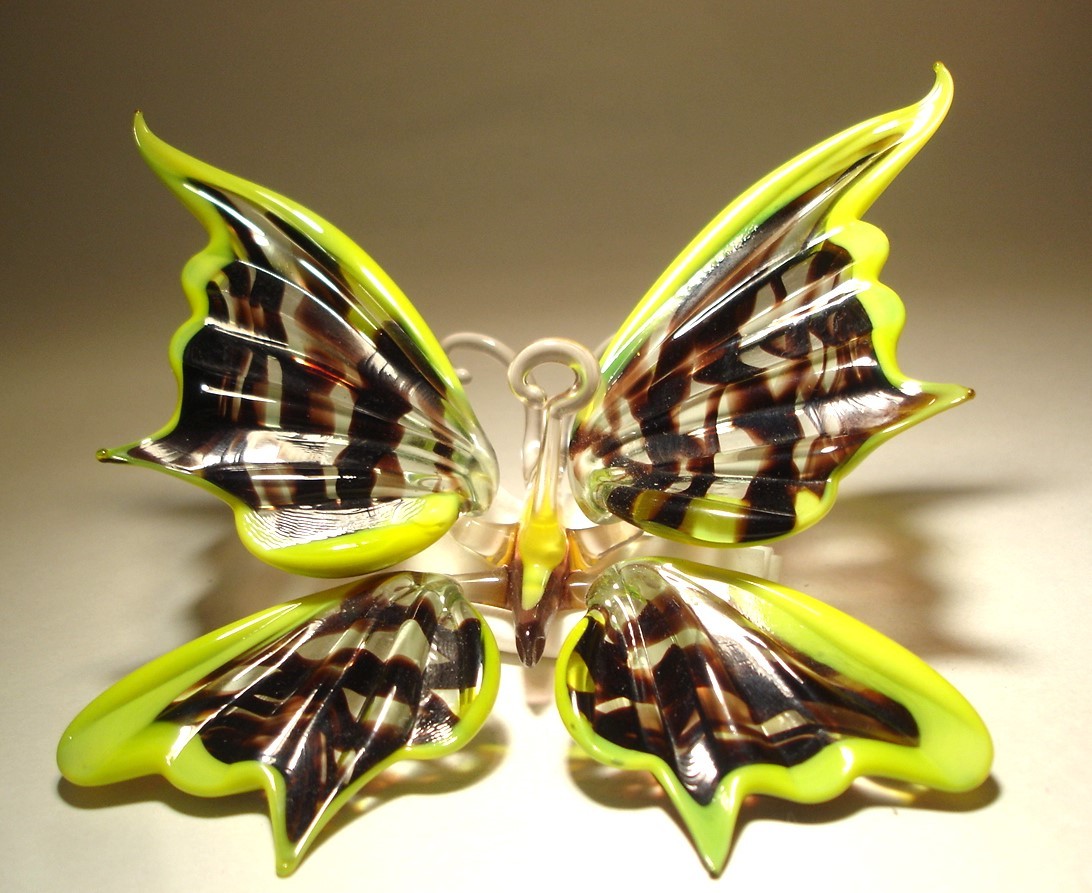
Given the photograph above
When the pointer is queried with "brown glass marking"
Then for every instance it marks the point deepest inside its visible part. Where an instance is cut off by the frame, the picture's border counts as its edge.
(701, 704)
(226, 381)
(670, 370)
(297, 713)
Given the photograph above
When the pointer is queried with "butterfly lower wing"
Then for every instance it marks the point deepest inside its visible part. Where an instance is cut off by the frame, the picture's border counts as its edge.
(313, 398)
(723, 685)
(761, 367)
(306, 701)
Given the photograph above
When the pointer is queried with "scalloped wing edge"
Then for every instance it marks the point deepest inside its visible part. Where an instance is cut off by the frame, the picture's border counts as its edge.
(117, 738)
(955, 753)
(869, 246)
(361, 551)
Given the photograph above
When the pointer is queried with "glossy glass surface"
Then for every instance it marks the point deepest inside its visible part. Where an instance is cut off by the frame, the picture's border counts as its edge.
(761, 366)
(306, 701)
(723, 686)
(313, 399)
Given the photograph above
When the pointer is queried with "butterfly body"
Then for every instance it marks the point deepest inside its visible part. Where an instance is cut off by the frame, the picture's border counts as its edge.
(757, 371)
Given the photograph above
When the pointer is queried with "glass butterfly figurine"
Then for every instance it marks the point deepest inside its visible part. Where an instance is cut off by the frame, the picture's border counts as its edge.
(756, 372)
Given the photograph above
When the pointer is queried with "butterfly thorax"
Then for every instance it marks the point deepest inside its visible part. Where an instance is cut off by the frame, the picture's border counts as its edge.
(754, 374)
(540, 553)
(545, 557)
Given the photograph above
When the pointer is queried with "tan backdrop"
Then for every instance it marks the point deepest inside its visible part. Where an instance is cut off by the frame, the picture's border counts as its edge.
(528, 169)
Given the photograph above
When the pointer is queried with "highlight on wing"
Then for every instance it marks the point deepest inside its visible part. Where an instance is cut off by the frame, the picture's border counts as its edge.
(312, 397)
(760, 368)
(754, 375)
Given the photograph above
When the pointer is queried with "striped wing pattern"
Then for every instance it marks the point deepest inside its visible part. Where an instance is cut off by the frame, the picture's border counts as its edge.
(394, 666)
(679, 674)
(723, 685)
(315, 401)
(735, 398)
(310, 397)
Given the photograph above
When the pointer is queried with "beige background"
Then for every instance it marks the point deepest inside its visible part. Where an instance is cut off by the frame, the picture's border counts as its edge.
(528, 170)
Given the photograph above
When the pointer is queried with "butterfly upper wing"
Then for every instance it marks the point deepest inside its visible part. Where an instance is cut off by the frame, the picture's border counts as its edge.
(761, 366)
(306, 701)
(313, 398)
(723, 686)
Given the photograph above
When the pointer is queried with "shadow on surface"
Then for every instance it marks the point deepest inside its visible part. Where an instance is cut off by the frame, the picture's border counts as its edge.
(875, 558)
(408, 778)
(621, 789)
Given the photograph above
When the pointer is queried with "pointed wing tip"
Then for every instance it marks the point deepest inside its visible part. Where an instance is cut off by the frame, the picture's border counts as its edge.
(142, 133)
(168, 163)
(111, 456)
(935, 104)
(151, 148)
(943, 85)
(943, 77)
(715, 862)
(711, 828)
(944, 396)
(287, 863)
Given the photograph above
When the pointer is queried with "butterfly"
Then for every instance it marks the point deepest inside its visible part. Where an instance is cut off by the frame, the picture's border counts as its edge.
(314, 400)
